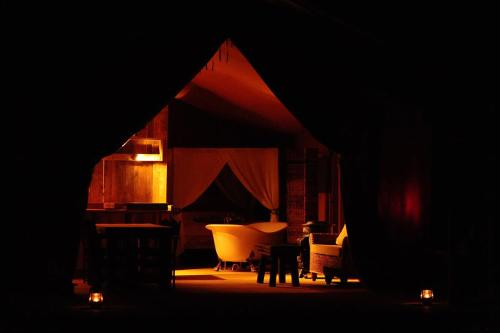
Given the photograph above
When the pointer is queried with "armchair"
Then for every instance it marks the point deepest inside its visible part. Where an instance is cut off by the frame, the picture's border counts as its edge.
(330, 255)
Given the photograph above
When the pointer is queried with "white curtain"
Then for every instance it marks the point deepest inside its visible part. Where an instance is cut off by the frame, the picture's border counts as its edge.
(194, 169)
(257, 170)
(193, 172)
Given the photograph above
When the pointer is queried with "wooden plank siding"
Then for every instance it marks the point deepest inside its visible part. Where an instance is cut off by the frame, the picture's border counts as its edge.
(133, 181)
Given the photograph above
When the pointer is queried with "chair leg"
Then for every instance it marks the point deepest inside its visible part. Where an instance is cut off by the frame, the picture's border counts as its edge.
(314, 276)
(328, 278)
(343, 279)
(262, 269)
(295, 272)
(274, 269)
(282, 270)
(328, 272)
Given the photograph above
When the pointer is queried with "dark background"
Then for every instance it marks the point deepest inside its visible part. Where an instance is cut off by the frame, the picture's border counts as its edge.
(408, 96)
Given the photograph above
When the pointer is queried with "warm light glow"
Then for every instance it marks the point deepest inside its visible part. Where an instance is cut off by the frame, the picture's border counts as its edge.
(148, 157)
(426, 295)
(139, 149)
(401, 201)
(170, 208)
(95, 298)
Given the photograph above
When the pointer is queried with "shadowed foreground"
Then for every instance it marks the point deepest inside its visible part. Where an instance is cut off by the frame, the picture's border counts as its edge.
(234, 301)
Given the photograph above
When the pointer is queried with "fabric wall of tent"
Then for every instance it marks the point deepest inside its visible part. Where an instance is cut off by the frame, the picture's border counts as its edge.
(388, 100)
(227, 104)
(226, 116)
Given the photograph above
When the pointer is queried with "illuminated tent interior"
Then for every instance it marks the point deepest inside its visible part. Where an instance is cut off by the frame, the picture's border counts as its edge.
(408, 100)
(226, 119)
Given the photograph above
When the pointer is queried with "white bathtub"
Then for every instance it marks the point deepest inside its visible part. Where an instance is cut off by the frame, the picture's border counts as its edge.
(237, 243)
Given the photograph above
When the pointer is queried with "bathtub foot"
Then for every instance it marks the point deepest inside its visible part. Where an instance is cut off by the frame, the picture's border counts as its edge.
(218, 267)
(253, 268)
(233, 266)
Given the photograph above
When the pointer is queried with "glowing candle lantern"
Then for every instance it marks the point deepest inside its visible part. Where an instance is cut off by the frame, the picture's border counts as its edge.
(95, 298)
(426, 296)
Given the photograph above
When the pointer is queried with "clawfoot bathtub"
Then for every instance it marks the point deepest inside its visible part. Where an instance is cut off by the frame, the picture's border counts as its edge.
(237, 243)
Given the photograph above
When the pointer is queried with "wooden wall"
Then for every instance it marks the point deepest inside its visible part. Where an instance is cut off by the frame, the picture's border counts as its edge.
(311, 190)
(133, 181)
(296, 191)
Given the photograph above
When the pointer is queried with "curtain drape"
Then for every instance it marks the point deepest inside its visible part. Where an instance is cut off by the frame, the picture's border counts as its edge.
(193, 172)
(232, 188)
(257, 170)
(195, 169)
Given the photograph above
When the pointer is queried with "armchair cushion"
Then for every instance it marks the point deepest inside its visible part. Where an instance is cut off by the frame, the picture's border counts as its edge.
(326, 249)
(324, 243)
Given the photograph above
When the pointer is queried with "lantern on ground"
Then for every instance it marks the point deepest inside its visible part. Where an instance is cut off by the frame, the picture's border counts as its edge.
(426, 296)
(95, 298)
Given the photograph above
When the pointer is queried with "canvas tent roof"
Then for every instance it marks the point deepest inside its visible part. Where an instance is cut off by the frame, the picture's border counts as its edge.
(229, 87)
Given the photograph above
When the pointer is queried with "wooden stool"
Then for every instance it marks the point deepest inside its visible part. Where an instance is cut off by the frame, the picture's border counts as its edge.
(284, 254)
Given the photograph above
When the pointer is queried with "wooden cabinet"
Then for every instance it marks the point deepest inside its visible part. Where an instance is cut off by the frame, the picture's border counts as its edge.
(134, 253)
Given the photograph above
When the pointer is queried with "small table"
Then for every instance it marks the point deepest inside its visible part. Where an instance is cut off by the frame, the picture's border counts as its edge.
(132, 248)
(285, 255)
